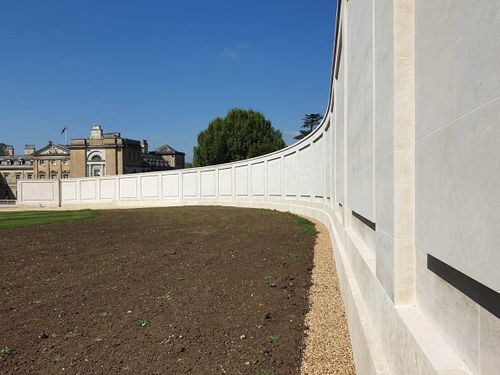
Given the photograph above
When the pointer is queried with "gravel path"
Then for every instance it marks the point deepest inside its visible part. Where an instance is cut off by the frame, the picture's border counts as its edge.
(327, 342)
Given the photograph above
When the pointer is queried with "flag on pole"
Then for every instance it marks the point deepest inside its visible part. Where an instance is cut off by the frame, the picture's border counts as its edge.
(65, 129)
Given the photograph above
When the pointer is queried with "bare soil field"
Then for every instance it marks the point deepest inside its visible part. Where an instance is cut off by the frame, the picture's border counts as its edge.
(202, 290)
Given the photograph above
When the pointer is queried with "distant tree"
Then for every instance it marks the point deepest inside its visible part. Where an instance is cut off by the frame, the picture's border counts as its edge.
(242, 134)
(188, 165)
(3, 146)
(309, 122)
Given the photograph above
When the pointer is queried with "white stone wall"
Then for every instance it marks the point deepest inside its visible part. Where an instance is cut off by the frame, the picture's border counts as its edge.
(404, 166)
(457, 169)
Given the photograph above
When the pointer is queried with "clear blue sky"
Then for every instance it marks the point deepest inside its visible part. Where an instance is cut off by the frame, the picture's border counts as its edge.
(159, 69)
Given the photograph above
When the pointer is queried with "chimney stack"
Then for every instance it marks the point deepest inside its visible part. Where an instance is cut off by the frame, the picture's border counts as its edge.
(145, 146)
(9, 150)
(29, 149)
(96, 132)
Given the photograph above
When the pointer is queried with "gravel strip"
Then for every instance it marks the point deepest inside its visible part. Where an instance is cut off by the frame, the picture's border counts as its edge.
(327, 342)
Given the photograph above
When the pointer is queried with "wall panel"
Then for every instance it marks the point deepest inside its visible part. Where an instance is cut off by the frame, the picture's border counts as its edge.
(258, 179)
(208, 188)
(108, 188)
(127, 187)
(190, 184)
(225, 182)
(274, 177)
(241, 174)
(170, 185)
(291, 174)
(88, 190)
(150, 186)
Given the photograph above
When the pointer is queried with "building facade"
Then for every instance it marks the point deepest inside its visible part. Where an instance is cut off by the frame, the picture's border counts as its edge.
(109, 154)
(173, 158)
(14, 168)
(102, 154)
(105, 154)
(52, 162)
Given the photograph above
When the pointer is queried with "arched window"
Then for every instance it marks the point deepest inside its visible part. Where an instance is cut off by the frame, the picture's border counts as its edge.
(96, 158)
(41, 176)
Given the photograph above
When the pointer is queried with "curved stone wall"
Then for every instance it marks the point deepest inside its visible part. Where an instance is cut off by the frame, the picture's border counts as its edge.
(403, 171)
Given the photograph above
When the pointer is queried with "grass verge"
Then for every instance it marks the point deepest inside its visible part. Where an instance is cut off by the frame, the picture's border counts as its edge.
(29, 218)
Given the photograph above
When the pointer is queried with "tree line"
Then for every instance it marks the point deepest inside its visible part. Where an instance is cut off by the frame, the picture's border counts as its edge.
(243, 134)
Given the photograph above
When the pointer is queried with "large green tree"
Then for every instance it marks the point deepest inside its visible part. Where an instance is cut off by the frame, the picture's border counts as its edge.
(309, 122)
(3, 146)
(242, 134)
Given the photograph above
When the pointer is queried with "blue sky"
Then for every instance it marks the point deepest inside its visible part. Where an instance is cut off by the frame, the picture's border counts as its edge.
(159, 69)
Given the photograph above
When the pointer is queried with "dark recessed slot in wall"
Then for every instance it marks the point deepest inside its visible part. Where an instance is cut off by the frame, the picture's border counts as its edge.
(340, 204)
(364, 220)
(479, 293)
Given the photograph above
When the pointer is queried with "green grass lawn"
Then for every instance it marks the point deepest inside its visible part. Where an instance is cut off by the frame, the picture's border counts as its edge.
(13, 219)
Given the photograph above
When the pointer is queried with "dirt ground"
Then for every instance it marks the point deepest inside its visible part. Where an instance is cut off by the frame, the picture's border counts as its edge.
(200, 290)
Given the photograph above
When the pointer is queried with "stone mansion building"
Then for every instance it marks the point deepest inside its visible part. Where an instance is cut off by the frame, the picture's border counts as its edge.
(102, 154)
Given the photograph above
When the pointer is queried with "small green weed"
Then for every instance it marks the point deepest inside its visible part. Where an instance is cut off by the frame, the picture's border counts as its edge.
(74, 334)
(273, 338)
(58, 358)
(163, 297)
(296, 255)
(114, 288)
(5, 351)
(36, 302)
(83, 273)
(263, 372)
(296, 323)
(51, 279)
(143, 322)
(269, 279)
(104, 313)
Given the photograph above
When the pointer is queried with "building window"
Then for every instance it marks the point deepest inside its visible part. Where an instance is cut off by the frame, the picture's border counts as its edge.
(41, 162)
(30, 176)
(53, 176)
(96, 158)
(53, 162)
(41, 176)
(6, 176)
(18, 176)
(65, 175)
(66, 162)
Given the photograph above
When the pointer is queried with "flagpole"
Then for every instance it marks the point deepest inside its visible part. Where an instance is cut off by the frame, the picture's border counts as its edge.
(65, 131)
